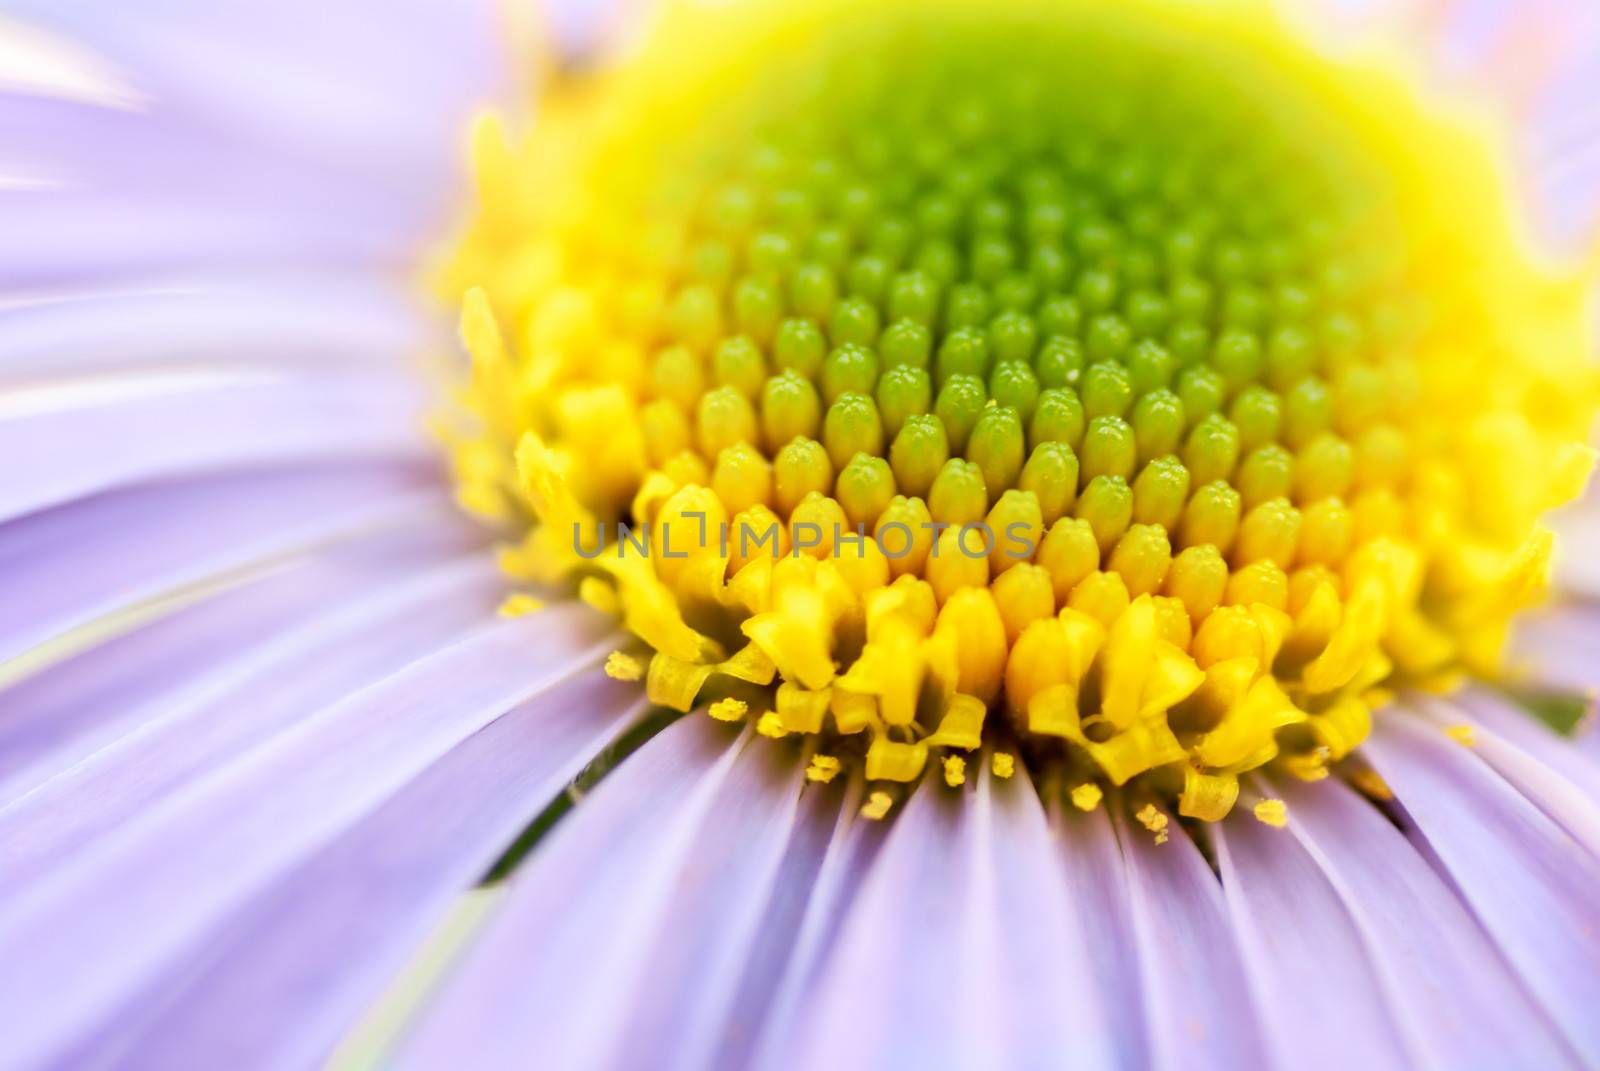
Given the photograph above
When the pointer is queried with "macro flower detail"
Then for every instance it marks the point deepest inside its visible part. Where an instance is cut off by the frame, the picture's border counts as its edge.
(771, 534)
(1130, 408)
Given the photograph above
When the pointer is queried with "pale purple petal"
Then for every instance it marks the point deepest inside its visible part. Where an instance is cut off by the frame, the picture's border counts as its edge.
(852, 843)
(1200, 1011)
(1577, 567)
(1302, 955)
(1056, 1009)
(277, 133)
(1587, 740)
(1098, 882)
(960, 949)
(1555, 648)
(1530, 884)
(243, 703)
(194, 423)
(77, 235)
(106, 923)
(674, 970)
(684, 999)
(1568, 797)
(72, 564)
(1458, 1003)
(123, 198)
(572, 952)
(777, 934)
(65, 712)
(1562, 139)
(316, 320)
(362, 87)
(1505, 719)
(291, 972)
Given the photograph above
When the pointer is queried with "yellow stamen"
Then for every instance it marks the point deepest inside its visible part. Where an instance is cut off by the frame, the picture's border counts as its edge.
(1274, 813)
(728, 709)
(1154, 820)
(877, 806)
(623, 667)
(955, 771)
(823, 768)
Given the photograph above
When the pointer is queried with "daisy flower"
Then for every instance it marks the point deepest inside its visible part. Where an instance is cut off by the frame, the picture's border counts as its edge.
(950, 535)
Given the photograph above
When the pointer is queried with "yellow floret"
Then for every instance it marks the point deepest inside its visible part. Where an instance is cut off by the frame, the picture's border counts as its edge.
(843, 398)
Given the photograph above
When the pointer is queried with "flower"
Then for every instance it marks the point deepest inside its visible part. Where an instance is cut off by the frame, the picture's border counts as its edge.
(1224, 350)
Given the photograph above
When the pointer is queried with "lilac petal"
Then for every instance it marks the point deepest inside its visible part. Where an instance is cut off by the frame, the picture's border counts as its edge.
(687, 999)
(1056, 1007)
(1200, 1010)
(671, 970)
(778, 934)
(201, 425)
(75, 563)
(72, 236)
(960, 949)
(851, 847)
(110, 185)
(153, 151)
(1587, 740)
(1516, 726)
(104, 924)
(242, 704)
(304, 87)
(294, 969)
(1454, 999)
(308, 319)
(640, 879)
(69, 710)
(1097, 880)
(1302, 954)
(1529, 883)
(1562, 139)
(127, 192)
(1568, 793)
(1577, 571)
(1556, 647)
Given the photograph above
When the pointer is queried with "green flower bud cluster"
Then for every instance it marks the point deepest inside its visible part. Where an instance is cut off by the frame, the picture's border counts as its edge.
(956, 283)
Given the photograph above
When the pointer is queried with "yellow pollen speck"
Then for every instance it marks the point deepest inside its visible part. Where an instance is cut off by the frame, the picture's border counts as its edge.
(623, 667)
(770, 726)
(1004, 764)
(520, 605)
(728, 709)
(1274, 813)
(1155, 821)
(1465, 735)
(877, 806)
(823, 768)
(955, 771)
(1086, 797)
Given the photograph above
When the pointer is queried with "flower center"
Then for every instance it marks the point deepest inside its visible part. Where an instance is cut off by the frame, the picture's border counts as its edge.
(1101, 392)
